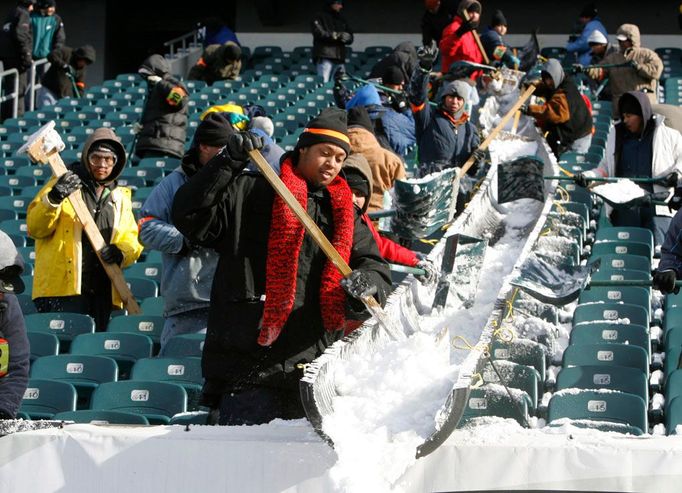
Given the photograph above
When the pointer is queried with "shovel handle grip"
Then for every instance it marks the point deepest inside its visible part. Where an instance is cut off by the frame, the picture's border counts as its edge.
(416, 271)
(382, 213)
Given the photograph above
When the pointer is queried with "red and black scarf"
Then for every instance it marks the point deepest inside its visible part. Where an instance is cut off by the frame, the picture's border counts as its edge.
(284, 246)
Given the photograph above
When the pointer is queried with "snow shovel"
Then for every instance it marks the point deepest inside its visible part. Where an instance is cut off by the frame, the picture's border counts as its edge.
(373, 307)
(520, 178)
(465, 14)
(661, 180)
(43, 147)
(637, 199)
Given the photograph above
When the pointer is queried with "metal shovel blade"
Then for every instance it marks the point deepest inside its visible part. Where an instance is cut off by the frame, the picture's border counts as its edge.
(519, 179)
(550, 284)
(641, 200)
(461, 269)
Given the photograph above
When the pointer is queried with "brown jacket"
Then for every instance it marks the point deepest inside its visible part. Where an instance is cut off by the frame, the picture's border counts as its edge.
(644, 76)
(386, 167)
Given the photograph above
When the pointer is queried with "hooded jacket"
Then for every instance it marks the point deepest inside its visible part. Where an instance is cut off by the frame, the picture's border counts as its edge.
(667, 147)
(62, 254)
(453, 47)
(389, 250)
(565, 116)
(215, 64)
(643, 77)
(12, 329)
(62, 63)
(325, 26)
(164, 120)
(444, 140)
(385, 167)
(403, 56)
(231, 212)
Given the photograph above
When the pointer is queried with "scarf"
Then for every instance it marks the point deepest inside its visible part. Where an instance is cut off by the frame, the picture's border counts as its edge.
(284, 246)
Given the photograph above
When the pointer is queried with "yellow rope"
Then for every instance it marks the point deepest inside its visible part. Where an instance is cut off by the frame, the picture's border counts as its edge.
(566, 172)
(509, 316)
(467, 346)
(563, 193)
(560, 208)
(504, 334)
(429, 242)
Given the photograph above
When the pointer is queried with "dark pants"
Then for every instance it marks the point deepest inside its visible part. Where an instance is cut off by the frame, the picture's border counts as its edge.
(98, 307)
(260, 405)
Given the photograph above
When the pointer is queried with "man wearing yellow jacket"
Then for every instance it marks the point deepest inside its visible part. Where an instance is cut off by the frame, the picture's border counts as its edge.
(68, 275)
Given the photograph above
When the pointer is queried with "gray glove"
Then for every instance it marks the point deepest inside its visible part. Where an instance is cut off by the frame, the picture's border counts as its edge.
(358, 285)
(478, 155)
(345, 38)
(66, 184)
(240, 144)
(431, 273)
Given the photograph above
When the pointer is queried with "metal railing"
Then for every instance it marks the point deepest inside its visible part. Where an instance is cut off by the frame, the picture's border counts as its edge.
(14, 94)
(181, 43)
(38, 68)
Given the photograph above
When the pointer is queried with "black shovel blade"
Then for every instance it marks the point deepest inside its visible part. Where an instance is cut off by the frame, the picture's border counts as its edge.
(443, 288)
(642, 200)
(550, 284)
(519, 179)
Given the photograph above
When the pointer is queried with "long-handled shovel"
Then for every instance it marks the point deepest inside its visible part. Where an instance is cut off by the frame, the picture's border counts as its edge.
(465, 14)
(611, 179)
(280, 188)
(43, 147)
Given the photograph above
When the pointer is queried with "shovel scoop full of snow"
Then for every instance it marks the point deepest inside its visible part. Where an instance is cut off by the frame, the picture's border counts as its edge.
(550, 284)
(625, 194)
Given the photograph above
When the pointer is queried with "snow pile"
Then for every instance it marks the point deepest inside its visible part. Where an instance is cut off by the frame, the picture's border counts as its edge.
(506, 150)
(620, 192)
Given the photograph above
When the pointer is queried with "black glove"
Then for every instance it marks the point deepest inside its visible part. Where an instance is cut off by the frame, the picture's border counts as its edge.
(239, 145)
(675, 201)
(111, 254)
(427, 55)
(664, 281)
(345, 38)
(430, 275)
(465, 28)
(577, 68)
(340, 75)
(358, 285)
(478, 155)
(580, 179)
(66, 184)
(668, 181)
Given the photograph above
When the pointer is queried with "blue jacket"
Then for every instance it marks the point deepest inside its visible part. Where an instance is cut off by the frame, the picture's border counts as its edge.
(671, 251)
(13, 385)
(442, 144)
(186, 278)
(580, 48)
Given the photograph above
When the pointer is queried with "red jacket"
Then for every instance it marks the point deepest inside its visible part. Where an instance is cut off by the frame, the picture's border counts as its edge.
(390, 250)
(453, 48)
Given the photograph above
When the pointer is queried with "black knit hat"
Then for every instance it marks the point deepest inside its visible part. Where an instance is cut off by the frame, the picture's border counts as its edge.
(46, 4)
(359, 117)
(86, 52)
(213, 130)
(357, 182)
(329, 126)
(498, 19)
(392, 75)
(589, 11)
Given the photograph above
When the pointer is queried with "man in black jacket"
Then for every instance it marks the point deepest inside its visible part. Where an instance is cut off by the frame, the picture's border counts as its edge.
(66, 75)
(276, 301)
(164, 119)
(16, 48)
(331, 35)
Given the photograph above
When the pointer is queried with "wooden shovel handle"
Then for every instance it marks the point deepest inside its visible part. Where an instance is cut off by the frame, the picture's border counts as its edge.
(113, 271)
(484, 145)
(465, 14)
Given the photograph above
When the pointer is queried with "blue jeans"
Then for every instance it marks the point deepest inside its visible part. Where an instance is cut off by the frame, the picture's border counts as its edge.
(326, 68)
(192, 322)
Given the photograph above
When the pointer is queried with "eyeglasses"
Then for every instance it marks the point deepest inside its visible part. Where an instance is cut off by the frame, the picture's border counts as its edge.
(102, 160)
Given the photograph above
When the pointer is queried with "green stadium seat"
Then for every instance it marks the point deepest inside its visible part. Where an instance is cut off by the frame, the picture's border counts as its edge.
(157, 401)
(149, 174)
(610, 312)
(84, 372)
(673, 415)
(626, 410)
(626, 294)
(145, 270)
(621, 248)
(620, 378)
(15, 226)
(604, 332)
(65, 325)
(153, 306)
(44, 398)
(620, 275)
(493, 400)
(41, 173)
(152, 256)
(99, 417)
(624, 261)
(124, 348)
(13, 163)
(606, 354)
(168, 164)
(132, 181)
(185, 372)
(522, 352)
(516, 376)
(185, 345)
(142, 287)
(42, 344)
(149, 325)
(17, 184)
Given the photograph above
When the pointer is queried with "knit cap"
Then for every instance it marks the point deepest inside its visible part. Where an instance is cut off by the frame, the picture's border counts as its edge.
(329, 126)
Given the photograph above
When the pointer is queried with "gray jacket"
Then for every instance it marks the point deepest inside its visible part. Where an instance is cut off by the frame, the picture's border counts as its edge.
(13, 385)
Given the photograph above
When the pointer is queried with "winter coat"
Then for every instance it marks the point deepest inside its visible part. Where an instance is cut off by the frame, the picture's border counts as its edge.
(164, 120)
(232, 214)
(667, 151)
(404, 56)
(671, 250)
(579, 50)
(325, 26)
(499, 52)
(61, 256)
(385, 166)
(48, 34)
(214, 65)
(187, 273)
(565, 116)
(62, 63)
(16, 40)
(455, 48)
(13, 385)
(623, 79)
(442, 141)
